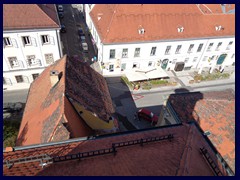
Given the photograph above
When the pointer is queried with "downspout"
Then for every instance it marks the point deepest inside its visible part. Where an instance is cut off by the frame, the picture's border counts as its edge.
(59, 43)
(200, 70)
(58, 36)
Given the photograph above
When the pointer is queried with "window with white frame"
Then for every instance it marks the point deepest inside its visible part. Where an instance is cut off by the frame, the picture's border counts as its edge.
(45, 39)
(13, 62)
(125, 53)
(186, 60)
(7, 41)
(210, 47)
(174, 61)
(135, 65)
(31, 60)
(49, 58)
(19, 79)
(26, 40)
(199, 47)
(190, 48)
(112, 53)
(35, 76)
(153, 51)
(178, 49)
(150, 64)
(4, 81)
(137, 52)
(167, 51)
(218, 46)
(229, 45)
(195, 59)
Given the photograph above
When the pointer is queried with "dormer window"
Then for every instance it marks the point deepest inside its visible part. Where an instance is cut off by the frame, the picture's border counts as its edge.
(218, 28)
(141, 31)
(180, 29)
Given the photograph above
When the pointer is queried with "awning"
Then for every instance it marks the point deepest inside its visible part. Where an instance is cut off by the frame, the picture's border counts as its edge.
(146, 74)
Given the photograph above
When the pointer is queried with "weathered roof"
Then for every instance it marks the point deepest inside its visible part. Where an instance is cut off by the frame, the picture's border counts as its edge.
(120, 23)
(214, 112)
(178, 155)
(50, 116)
(29, 16)
(92, 90)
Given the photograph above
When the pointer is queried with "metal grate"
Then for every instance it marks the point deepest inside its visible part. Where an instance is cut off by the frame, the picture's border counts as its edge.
(44, 158)
(142, 141)
(211, 162)
(83, 155)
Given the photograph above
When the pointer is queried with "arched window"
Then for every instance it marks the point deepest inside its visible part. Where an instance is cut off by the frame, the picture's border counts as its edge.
(221, 59)
(164, 63)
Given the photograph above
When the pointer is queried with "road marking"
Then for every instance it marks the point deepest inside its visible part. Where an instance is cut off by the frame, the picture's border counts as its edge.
(137, 96)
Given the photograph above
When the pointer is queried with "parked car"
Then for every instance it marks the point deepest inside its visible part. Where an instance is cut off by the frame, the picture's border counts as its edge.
(83, 39)
(61, 15)
(63, 29)
(147, 115)
(80, 32)
(85, 47)
(60, 8)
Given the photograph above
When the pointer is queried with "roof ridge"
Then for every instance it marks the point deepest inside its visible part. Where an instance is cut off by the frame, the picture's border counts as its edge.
(63, 102)
(110, 23)
(46, 13)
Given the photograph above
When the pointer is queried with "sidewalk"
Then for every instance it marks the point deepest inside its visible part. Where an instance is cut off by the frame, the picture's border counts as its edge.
(182, 78)
(15, 87)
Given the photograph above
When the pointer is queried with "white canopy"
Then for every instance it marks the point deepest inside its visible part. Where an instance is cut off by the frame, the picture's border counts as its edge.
(146, 74)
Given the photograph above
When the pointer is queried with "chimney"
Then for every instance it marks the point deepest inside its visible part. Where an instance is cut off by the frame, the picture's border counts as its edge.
(9, 149)
(54, 77)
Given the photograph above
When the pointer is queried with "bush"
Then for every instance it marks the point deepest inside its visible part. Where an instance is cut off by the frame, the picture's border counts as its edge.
(10, 132)
(159, 82)
(126, 81)
(146, 87)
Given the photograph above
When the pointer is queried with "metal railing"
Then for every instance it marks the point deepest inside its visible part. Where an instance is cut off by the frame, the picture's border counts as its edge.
(46, 159)
(211, 162)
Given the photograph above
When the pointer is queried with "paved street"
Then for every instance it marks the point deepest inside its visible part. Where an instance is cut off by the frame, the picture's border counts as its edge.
(73, 19)
(15, 96)
(127, 103)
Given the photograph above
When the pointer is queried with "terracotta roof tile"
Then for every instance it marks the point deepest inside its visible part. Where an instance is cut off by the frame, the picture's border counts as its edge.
(168, 158)
(29, 16)
(88, 89)
(49, 116)
(119, 23)
(214, 112)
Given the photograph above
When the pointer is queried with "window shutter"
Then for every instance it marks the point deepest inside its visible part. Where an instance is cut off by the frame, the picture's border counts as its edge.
(34, 42)
(21, 64)
(25, 79)
(14, 42)
(51, 38)
(3, 43)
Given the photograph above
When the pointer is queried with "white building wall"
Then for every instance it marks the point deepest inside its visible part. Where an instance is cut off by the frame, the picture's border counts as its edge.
(21, 51)
(145, 57)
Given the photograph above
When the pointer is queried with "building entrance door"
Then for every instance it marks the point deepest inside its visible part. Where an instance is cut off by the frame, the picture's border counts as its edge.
(111, 67)
(164, 63)
(221, 59)
(179, 66)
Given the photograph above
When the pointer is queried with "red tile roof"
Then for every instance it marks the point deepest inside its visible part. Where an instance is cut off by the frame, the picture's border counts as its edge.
(92, 90)
(179, 156)
(214, 112)
(119, 23)
(49, 115)
(29, 16)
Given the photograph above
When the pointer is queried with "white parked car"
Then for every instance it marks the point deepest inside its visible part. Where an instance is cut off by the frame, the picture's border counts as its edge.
(60, 8)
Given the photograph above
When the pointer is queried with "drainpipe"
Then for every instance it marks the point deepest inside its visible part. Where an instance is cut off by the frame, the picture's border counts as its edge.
(59, 43)
(200, 70)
